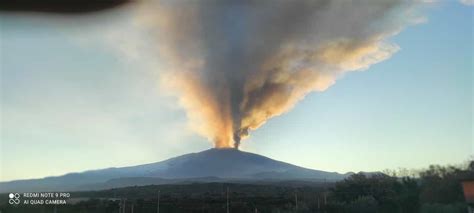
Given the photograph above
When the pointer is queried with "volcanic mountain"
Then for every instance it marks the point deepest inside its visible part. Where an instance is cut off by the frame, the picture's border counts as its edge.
(213, 165)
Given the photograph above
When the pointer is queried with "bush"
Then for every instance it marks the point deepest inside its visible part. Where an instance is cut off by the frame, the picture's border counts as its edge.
(444, 208)
(365, 204)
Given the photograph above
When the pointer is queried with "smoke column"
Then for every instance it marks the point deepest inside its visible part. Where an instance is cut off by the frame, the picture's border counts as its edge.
(235, 64)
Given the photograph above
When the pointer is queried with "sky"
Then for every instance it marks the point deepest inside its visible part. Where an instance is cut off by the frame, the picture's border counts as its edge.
(71, 103)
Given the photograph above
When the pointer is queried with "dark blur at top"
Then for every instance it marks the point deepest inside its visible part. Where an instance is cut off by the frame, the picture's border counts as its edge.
(60, 6)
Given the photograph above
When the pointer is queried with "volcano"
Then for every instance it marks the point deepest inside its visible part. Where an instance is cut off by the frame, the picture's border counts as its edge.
(213, 165)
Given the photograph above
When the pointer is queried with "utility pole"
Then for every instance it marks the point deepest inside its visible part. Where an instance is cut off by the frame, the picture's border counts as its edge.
(324, 194)
(124, 205)
(319, 207)
(325, 199)
(158, 206)
(132, 208)
(227, 199)
(296, 201)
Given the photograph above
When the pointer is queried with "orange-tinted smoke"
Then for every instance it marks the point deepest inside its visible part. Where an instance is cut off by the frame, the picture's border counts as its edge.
(234, 65)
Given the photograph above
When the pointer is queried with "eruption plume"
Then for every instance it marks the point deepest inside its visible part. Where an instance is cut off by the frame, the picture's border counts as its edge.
(236, 64)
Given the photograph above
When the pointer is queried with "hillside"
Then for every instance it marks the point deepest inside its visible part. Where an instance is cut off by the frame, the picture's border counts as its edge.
(213, 165)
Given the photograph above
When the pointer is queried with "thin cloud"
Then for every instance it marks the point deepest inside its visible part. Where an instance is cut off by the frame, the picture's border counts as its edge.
(467, 2)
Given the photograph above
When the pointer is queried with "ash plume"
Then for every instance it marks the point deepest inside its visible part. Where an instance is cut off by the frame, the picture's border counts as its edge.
(235, 64)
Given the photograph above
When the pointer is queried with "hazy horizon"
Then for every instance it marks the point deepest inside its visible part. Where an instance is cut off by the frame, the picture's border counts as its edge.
(411, 171)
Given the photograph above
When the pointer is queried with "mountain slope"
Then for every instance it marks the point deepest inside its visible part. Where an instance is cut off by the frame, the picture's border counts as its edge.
(224, 164)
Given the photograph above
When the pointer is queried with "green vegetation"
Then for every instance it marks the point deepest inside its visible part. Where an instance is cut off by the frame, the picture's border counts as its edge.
(434, 190)
(437, 189)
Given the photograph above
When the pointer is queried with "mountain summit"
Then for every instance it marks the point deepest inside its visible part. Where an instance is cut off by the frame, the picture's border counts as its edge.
(232, 163)
(213, 164)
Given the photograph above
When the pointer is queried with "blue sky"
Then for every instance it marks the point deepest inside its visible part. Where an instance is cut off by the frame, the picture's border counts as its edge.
(69, 103)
